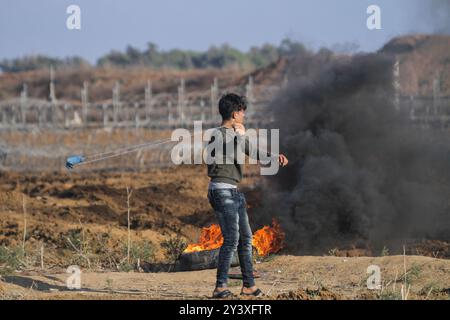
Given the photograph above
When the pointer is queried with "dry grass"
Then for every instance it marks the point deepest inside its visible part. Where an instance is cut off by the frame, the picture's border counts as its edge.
(101, 81)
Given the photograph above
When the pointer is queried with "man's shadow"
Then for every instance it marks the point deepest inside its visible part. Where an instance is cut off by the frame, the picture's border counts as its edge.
(38, 285)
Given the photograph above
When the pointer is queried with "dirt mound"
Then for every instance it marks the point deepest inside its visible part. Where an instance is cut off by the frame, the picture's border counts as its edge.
(431, 248)
(423, 58)
(273, 74)
(405, 44)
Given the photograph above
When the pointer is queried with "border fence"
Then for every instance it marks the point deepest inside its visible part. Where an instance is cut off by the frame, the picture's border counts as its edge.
(38, 134)
(157, 111)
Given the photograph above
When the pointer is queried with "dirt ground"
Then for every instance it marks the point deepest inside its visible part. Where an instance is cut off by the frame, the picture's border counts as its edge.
(81, 219)
(283, 277)
(163, 203)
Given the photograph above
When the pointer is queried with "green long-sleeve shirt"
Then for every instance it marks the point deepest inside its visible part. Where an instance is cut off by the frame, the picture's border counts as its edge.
(230, 170)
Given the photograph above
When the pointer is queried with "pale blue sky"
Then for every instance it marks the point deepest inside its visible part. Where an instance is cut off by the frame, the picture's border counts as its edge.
(39, 26)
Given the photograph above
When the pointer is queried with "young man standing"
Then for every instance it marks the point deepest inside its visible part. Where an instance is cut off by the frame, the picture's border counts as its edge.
(227, 201)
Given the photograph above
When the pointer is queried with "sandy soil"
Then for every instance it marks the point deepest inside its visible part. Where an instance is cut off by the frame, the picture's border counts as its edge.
(166, 203)
(283, 277)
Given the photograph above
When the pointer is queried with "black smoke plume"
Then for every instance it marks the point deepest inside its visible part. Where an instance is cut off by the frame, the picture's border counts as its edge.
(360, 172)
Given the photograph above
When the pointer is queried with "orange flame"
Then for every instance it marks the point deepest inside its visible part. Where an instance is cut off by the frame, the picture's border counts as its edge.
(269, 239)
(266, 240)
(210, 238)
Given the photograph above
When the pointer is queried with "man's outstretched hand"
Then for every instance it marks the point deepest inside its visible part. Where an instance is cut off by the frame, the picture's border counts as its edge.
(283, 160)
(239, 128)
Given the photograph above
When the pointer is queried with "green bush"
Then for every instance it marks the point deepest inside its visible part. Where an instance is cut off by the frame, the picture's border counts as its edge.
(174, 247)
(11, 259)
(139, 251)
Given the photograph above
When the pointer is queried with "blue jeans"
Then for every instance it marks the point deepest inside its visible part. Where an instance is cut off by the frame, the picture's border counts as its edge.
(230, 208)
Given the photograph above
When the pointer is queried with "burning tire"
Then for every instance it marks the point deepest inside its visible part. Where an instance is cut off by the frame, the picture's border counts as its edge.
(204, 259)
(205, 253)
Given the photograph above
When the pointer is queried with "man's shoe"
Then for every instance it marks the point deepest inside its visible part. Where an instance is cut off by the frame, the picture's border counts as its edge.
(221, 294)
(256, 293)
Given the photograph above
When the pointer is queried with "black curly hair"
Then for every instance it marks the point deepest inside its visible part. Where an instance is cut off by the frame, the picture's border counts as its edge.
(230, 103)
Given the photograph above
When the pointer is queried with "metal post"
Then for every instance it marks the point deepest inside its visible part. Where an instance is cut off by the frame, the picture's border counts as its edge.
(169, 108)
(53, 114)
(4, 117)
(52, 95)
(249, 96)
(23, 104)
(85, 102)
(148, 101)
(13, 117)
(412, 109)
(136, 115)
(436, 94)
(202, 108)
(53, 100)
(214, 94)
(41, 115)
(285, 82)
(181, 102)
(105, 115)
(116, 102)
(66, 115)
(396, 84)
